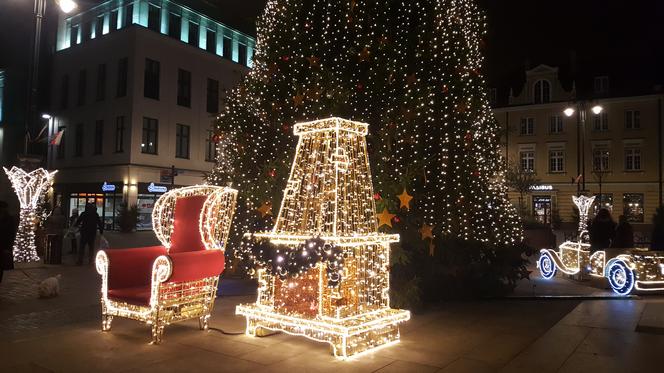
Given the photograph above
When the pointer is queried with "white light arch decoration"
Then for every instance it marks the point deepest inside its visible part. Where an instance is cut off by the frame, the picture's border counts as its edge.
(30, 187)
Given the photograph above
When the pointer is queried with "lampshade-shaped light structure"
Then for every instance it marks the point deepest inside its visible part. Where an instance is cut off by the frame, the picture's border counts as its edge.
(329, 195)
(30, 187)
(597, 109)
(569, 112)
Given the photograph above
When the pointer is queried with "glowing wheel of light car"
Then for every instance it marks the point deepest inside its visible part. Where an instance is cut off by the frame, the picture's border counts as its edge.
(547, 266)
(621, 277)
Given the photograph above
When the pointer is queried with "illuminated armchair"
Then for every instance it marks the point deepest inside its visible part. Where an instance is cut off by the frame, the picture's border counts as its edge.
(177, 281)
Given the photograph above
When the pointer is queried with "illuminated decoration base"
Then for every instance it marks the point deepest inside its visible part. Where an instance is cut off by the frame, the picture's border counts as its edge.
(173, 301)
(30, 187)
(329, 195)
(626, 270)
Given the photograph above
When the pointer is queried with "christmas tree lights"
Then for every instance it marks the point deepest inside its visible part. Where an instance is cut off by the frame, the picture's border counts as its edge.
(329, 197)
(413, 69)
(30, 188)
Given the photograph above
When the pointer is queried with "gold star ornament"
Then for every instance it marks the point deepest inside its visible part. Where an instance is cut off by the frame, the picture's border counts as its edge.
(385, 218)
(265, 209)
(404, 199)
(426, 231)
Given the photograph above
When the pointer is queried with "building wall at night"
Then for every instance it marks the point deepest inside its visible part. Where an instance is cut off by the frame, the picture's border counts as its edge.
(621, 147)
(133, 103)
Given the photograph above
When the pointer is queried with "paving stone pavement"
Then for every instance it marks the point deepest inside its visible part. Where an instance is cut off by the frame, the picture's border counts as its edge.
(512, 335)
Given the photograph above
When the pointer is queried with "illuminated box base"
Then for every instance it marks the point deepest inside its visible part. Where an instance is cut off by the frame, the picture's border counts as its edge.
(347, 336)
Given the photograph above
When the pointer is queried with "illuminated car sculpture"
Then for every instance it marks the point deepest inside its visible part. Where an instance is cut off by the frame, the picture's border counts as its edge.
(626, 270)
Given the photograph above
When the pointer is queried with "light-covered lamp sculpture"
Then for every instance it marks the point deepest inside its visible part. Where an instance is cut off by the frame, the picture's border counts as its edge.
(30, 187)
(328, 207)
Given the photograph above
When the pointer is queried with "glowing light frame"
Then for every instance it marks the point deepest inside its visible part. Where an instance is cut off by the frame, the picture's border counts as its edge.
(641, 272)
(175, 301)
(344, 216)
(30, 187)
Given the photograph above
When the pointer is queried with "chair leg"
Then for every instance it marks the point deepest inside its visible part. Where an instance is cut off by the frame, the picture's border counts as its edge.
(203, 322)
(106, 321)
(157, 333)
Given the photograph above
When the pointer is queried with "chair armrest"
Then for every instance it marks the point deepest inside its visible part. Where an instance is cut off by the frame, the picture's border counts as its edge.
(128, 267)
(196, 265)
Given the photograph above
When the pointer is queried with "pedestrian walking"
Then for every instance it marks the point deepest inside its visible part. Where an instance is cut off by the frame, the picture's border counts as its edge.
(8, 228)
(72, 232)
(624, 234)
(89, 221)
(602, 230)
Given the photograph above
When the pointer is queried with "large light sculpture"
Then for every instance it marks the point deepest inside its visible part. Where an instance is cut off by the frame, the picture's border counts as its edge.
(30, 187)
(329, 197)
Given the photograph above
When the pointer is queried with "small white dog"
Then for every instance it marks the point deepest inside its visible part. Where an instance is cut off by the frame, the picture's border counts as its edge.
(50, 287)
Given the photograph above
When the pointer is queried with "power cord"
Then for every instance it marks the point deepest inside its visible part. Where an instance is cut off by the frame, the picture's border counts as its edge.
(222, 331)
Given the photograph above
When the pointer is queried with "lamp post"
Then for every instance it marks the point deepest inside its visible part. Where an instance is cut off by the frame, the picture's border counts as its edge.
(581, 114)
(66, 6)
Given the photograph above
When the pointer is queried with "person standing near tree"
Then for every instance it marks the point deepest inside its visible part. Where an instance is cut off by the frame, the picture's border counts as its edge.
(602, 230)
(8, 227)
(624, 234)
(89, 221)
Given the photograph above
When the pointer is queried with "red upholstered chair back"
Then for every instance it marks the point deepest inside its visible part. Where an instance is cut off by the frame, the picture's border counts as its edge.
(186, 234)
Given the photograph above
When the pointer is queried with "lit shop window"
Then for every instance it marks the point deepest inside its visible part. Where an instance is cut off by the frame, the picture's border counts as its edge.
(633, 207)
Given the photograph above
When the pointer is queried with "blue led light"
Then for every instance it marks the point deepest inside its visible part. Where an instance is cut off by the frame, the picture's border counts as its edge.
(546, 265)
(620, 276)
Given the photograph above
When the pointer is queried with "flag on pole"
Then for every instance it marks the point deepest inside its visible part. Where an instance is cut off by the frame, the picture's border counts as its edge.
(57, 138)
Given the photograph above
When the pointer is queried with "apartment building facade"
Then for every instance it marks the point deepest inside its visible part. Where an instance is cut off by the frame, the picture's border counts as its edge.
(610, 147)
(137, 84)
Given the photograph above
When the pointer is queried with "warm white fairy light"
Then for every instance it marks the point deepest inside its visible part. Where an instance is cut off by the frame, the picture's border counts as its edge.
(215, 219)
(175, 301)
(637, 269)
(414, 71)
(329, 195)
(30, 188)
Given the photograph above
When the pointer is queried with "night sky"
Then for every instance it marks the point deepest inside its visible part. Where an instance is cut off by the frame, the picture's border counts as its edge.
(623, 39)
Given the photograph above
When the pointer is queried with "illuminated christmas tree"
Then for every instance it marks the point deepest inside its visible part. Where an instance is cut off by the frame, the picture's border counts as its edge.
(327, 275)
(413, 71)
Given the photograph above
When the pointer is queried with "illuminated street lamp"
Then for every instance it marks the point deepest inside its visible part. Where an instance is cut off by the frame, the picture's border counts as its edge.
(581, 115)
(65, 6)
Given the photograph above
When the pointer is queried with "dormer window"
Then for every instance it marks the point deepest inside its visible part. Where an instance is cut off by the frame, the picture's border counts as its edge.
(601, 84)
(542, 92)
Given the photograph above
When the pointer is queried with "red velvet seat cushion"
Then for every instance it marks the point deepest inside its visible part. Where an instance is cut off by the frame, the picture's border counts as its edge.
(186, 235)
(137, 295)
(131, 268)
(196, 265)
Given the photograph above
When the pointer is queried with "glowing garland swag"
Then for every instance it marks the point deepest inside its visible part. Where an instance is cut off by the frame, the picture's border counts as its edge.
(329, 196)
(30, 187)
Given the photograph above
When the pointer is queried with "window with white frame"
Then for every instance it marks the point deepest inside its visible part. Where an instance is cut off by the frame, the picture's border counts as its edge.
(542, 92)
(527, 126)
(632, 119)
(633, 159)
(556, 124)
(556, 160)
(601, 159)
(601, 122)
(527, 158)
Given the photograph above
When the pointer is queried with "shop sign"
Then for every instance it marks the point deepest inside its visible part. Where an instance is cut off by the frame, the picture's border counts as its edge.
(157, 188)
(541, 188)
(106, 187)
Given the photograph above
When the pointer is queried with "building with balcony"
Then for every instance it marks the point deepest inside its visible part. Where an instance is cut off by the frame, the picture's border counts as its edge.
(136, 86)
(607, 146)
